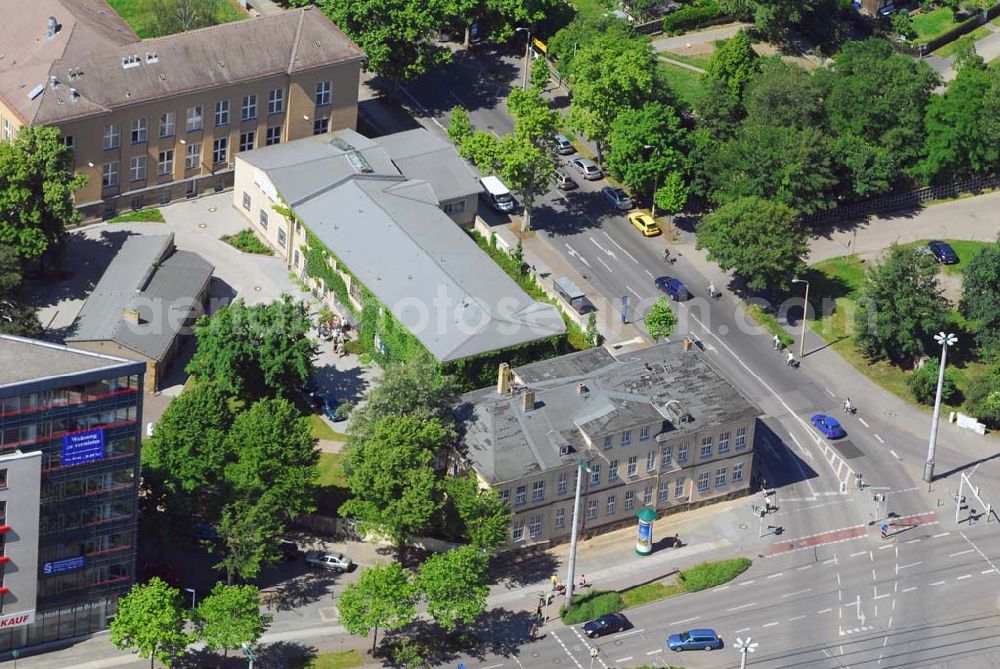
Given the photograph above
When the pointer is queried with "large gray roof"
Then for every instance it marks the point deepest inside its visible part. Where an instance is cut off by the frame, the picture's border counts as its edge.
(29, 360)
(390, 233)
(661, 384)
(423, 155)
(148, 276)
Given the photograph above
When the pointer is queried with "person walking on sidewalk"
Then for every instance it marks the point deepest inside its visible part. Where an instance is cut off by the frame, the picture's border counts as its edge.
(677, 541)
(776, 342)
(555, 581)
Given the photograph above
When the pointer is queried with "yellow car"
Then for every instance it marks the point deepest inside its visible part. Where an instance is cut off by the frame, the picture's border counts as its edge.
(642, 220)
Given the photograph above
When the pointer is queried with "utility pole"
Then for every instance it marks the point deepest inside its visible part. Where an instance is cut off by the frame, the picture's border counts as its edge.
(945, 340)
(805, 311)
(580, 469)
(527, 55)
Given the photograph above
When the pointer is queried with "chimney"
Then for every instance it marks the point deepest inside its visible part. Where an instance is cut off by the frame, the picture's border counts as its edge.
(131, 315)
(529, 400)
(581, 388)
(503, 379)
(53, 26)
(688, 343)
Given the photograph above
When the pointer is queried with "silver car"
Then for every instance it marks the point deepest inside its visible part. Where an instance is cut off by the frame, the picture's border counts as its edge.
(328, 560)
(587, 168)
(564, 147)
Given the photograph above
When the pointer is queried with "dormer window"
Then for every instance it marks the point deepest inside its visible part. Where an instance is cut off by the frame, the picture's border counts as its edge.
(131, 61)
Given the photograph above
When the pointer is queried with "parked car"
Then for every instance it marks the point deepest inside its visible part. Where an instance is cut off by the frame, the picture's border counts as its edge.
(609, 624)
(828, 426)
(587, 168)
(328, 560)
(496, 193)
(644, 222)
(563, 180)
(564, 147)
(289, 550)
(330, 406)
(943, 252)
(617, 197)
(700, 639)
(674, 288)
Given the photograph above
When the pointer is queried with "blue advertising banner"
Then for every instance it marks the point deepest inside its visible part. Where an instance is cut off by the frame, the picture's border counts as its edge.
(81, 447)
(61, 566)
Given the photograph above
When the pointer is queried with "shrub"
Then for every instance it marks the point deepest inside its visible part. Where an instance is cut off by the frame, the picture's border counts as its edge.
(692, 16)
(139, 216)
(245, 240)
(592, 605)
(923, 384)
(982, 398)
(770, 323)
(711, 574)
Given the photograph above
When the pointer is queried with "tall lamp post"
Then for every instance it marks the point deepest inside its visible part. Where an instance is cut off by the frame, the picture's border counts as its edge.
(805, 310)
(527, 54)
(945, 340)
(744, 647)
(581, 467)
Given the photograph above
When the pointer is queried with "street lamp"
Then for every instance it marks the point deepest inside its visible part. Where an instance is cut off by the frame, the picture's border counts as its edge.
(527, 54)
(581, 467)
(192, 591)
(805, 310)
(656, 179)
(945, 340)
(744, 647)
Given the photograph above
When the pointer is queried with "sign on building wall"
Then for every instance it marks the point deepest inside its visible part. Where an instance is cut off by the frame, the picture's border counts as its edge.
(82, 447)
(17, 619)
(61, 566)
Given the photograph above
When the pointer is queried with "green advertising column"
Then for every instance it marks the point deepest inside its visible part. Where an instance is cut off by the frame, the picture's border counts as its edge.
(644, 541)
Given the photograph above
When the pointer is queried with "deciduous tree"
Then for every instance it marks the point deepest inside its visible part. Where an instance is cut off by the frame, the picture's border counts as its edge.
(174, 16)
(230, 617)
(981, 298)
(784, 95)
(454, 585)
(383, 598)
(672, 194)
(734, 63)
(17, 316)
(645, 145)
(248, 536)
(661, 320)
(482, 518)
(150, 621)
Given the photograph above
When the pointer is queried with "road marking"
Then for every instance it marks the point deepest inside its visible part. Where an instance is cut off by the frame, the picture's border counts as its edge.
(630, 288)
(742, 606)
(608, 267)
(904, 566)
(608, 251)
(883, 596)
(630, 633)
(573, 252)
(797, 592)
(880, 439)
(746, 582)
(939, 535)
(894, 454)
(794, 618)
(981, 554)
(720, 588)
(859, 553)
(911, 541)
(492, 666)
(910, 589)
(882, 548)
(780, 573)
(655, 652)
(962, 578)
(623, 659)
(829, 392)
(938, 583)
(611, 239)
(686, 620)
(651, 275)
(862, 421)
(968, 550)
(565, 649)
(804, 567)
(741, 631)
(987, 571)
(819, 613)
(770, 624)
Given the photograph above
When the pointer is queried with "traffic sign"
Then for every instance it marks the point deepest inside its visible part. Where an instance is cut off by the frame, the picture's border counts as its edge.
(885, 530)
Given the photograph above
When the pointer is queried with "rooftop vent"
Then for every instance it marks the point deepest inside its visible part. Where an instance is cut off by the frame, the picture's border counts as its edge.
(53, 82)
(529, 400)
(73, 94)
(53, 27)
(163, 77)
(152, 57)
(131, 61)
(35, 92)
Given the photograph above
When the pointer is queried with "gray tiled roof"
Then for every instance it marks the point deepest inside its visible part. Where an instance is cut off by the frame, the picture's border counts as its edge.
(28, 359)
(655, 385)
(423, 155)
(94, 39)
(147, 275)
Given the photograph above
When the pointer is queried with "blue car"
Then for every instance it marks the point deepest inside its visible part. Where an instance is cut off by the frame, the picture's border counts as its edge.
(943, 252)
(702, 639)
(330, 405)
(674, 288)
(828, 426)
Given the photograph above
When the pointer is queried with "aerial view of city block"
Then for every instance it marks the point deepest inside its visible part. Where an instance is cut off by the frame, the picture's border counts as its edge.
(521, 334)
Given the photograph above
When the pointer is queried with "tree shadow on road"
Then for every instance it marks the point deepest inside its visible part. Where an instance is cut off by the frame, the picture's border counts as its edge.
(527, 567)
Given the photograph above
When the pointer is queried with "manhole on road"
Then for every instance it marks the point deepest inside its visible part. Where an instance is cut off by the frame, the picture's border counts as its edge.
(743, 526)
(203, 225)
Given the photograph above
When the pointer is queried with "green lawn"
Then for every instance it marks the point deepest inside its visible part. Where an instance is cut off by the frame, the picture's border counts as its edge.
(331, 471)
(949, 48)
(340, 659)
(140, 216)
(698, 60)
(141, 21)
(322, 430)
(933, 23)
(589, 7)
(685, 83)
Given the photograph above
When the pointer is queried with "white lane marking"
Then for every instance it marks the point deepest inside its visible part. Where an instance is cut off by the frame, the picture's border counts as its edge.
(939, 535)
(686, 620)
(633, 291)
(894, 454)
(862, 421)
(492, 666)
(804, 567)
(794, 618)
(962, 578)
(882, 548)
(797, 592)
(561, 643)
(740, 631)
(608, 251)
(938, 583)
(780, 573)
(880, 439)
(610, 239)
(883, 596)
(742, 606)
(770, 624)
(904, 566)
(655, 652)
(651, 275)
(910, 589)
(607, 266)
(987, 571)
(819, 613)
(623, 659)
(858, 553)
(720, 588)
(829, 392)
(911, 541)
(576, 254)
(746, 582)
(981, 554)
(630, 633)
(967, 550)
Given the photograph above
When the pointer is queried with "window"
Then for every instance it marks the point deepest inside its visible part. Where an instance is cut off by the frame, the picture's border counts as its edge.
(321, 125)
(647, 495)
(273, 135)
(668, 452)
(249, 109)
(137, 168)
(535, 526)
(560, 522)
(517, 533)
(613, 471)
(703, 481)
(109, 174)
(281, 237)
(246, 200)
(626, 437)
(538, 491)
(629, 500)
(563, 483)
(452, 208)
(738, 472)
(6, 130)
(633, 465)
(663, 492)
(192, 156)
(194, 119)
(165, 162)
(724, 442)
(222, 112)
(505, 496)
(247, 140)
(607, 442)
(140, 130)
(521, 496)
(720, 477)
(611, 505)
(168, 122)
(595, 474)
(276, 101)
(741, 438)
(682, 453)
(679, 487)
(591, 509)
(651, 461)
(323, 90)
(111, 136)
(706, 448)
(67, 141)
(295, 257)
(220, 150)
(263, 219)
(644, 433)
(3, 478)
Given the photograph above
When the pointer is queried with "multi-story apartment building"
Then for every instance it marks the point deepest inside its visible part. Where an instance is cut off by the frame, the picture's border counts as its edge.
(69, 481)
(158, 119)
(658, 428)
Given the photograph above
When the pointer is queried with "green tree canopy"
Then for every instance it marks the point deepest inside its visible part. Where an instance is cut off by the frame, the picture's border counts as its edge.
(249, 531)
(583, 29)
(863, 169)
(481, 517)
(230, 617)
(982, 397)
(672, 194)
(150, 621)
(762, 241)
(17, 315)
(783, 95)
(661, 320)
(720, 111)
(656, 126)
(734, 63)
(383, 598)
(901, 306)
(779, 20)
(981, 298)
(175, 16)
(454, 585)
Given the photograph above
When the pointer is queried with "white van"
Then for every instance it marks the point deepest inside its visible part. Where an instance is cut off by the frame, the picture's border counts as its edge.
(497, 194)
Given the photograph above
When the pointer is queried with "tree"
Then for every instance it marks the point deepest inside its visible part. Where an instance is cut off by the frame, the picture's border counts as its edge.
(902, 25)
(923, 383)
(17, 316)
(230, 617)
(901, 306)
(383, 598)
(982, 397)
(453, 584)
(399, 37)
(583, 29)
(779, 20)
(672, 194)
(783, 95)
(534, 119)
(255, 351)
(36, 194)
(540, 76)
(761, 240)
(391, 475)
(720, 111)
(483, 519)
(150, 620)
(863, 169)
(527, 169)
(175, 16)
(661, 320)
(656, 126)
(248, 538)
(593, 334)
(981, 298)
(734, 63)
(966, 54)
(460, 127)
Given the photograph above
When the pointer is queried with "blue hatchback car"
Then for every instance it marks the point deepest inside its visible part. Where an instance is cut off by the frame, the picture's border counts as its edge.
(701, 639)
(674, 288)
(828, 425)
(943, 252)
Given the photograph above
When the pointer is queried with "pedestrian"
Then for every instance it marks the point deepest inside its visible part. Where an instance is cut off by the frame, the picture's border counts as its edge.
(538, 611)
(777, 342)
(554, 580)
(583, 581)
(677, 541)
(533, 632)
(791, 360)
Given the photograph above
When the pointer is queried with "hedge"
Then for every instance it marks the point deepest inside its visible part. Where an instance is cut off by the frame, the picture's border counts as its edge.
(711, 574)
(594, 604)
(691, 16)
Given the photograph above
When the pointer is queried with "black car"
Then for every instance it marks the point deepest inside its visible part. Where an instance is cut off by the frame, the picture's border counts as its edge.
(609, 624)
(943, 252)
